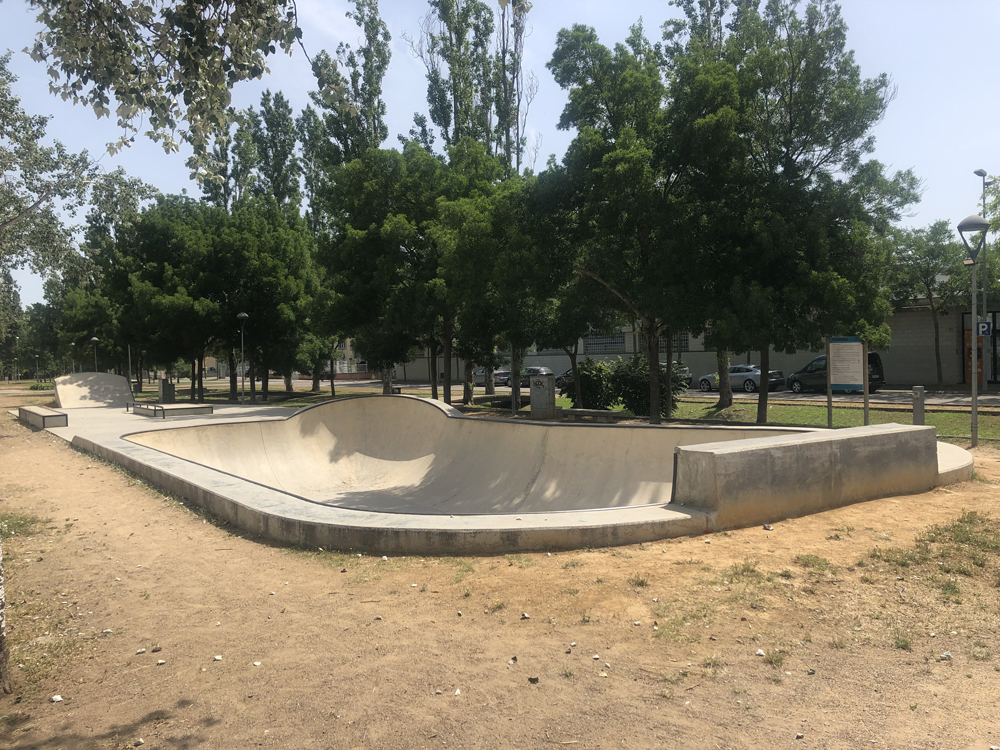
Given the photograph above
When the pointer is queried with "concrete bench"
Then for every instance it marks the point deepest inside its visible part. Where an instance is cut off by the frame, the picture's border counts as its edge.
(162, 410)
(397, 389)
(599, 415)
(41, 417)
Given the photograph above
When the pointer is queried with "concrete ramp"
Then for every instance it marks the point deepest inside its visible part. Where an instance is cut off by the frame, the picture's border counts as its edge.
(88, 389)
(403, 454)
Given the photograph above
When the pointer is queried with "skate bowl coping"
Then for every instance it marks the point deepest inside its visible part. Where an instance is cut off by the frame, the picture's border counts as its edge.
(83, 390)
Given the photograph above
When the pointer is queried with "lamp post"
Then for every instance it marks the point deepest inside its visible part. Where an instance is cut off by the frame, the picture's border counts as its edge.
(242, 317)
(72, 354)
(17, 345)
(94, 342)
(988, 348)
(36, 368)
(972, 224)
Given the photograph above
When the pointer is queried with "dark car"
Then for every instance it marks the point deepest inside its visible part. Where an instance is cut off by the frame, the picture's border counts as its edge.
(531, 371)
(812, 377)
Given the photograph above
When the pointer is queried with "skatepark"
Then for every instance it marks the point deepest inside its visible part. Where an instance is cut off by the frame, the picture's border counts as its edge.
(401, 474)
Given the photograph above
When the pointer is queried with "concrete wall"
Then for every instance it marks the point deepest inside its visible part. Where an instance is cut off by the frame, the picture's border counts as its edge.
(767, 479)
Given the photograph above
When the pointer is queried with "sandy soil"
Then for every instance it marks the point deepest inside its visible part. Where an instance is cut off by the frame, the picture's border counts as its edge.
(649, 646)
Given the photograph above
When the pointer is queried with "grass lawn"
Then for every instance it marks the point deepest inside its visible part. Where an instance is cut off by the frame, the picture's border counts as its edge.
(947, 423)
(954, 424)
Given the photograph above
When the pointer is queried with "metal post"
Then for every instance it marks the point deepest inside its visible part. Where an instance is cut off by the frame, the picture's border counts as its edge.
(918, 404)
(95, 357)
(129, 366)
(829, 388)
(864, 369)
(987, 360)
(243, 369)
(975, 364)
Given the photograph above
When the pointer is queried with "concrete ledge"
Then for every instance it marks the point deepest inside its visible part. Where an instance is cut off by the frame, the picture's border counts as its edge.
(173, 410)
(954, 464)
(765, 479)
(41, 417)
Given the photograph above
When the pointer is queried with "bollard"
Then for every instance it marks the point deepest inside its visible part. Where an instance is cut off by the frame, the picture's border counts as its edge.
(918, 404)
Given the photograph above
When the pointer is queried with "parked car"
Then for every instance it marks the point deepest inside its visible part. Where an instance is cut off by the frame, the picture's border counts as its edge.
(812, 377)
(564, 380)
(683, 371)
(529, 372)
(499, 376)
(742, 377)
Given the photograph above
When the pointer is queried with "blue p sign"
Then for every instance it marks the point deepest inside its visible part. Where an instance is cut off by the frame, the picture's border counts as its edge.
(984, 328)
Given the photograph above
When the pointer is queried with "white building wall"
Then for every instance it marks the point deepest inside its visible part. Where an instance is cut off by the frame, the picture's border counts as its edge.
(909, 360)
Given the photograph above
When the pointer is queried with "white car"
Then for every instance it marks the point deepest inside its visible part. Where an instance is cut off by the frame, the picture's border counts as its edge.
(745, 377)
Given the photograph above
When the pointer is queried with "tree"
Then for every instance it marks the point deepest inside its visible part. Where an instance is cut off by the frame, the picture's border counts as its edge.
(797, 236)
(39, 183)
(630, 170)
(927, 269)
(234, 161)
(379, 258)
(166, 64)
(514, 91)
(274, 139)
(454, 46)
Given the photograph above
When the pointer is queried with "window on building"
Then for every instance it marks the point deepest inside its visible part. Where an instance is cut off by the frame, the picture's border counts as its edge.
(614, 344)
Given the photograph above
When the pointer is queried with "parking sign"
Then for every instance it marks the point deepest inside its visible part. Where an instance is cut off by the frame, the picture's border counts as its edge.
(984, 328)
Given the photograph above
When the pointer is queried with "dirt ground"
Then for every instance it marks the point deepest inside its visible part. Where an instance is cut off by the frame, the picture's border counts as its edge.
(649, 646)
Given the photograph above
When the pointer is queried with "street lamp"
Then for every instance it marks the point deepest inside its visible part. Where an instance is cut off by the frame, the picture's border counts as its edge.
(987, 350)
(36, 368)
(17, 346)
(972, 224)
(242, 317)
(94, 342)
(72, 363)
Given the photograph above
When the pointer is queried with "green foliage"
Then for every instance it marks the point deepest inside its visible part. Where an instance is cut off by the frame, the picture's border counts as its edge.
(18, 524)
(166, 63)
(595, 385)
(41, 184)
(630, 385)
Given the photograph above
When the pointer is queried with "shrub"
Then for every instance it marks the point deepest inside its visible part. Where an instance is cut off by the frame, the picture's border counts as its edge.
(595, 385)
(630, 385)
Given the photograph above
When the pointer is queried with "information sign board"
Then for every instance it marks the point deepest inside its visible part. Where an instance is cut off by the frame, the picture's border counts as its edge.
(847, 365)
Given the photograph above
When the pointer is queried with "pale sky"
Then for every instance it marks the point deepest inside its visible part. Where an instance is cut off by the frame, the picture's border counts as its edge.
(943, 123)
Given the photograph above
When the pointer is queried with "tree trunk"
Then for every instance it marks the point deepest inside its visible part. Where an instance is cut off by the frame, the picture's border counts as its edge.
(433, 350)
(446, 334)
(386, 381)
(515, 379)
(317, 371)
(194, 379)
(765, 366)
(333, 375)
(467, 385)
(288, 382)
(138, 373)
(490, 381)
(252, 367)
(937, 346)
(201, 379)
(653, 357)
(233, 382)
(725, 387)
(265, 379)
(577, 388)
(6, 679)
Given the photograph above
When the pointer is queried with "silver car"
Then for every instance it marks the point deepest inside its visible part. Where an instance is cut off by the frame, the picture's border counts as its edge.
(745, 377)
